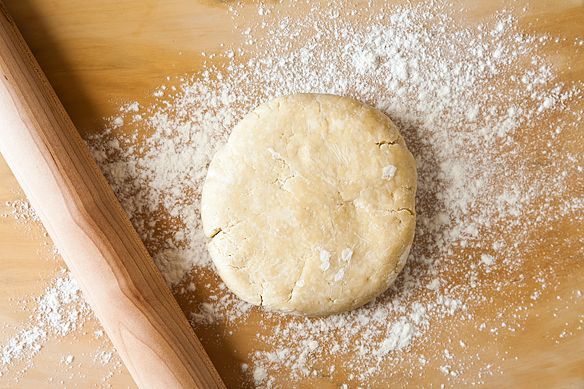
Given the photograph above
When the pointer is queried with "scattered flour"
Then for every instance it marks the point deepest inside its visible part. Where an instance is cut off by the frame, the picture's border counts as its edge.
(59, 311)
(105, 357)
(463, 97)
(68, 360)
(475, 105)
(487, 260)
(21, 211)
(389, 172)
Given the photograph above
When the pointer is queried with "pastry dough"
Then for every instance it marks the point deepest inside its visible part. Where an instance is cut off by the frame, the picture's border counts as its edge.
(310, 205)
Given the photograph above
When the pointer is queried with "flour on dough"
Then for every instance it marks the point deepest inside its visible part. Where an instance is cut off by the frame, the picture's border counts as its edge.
(310, 205)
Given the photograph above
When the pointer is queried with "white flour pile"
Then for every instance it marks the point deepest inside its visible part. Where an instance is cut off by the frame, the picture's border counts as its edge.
(21, 211)
(483, 112)
(59, 311)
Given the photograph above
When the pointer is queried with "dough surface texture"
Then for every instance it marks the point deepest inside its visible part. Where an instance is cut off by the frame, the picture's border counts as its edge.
(310, 205)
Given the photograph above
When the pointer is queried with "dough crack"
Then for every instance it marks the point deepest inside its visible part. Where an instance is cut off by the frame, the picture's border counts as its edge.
(399, 210)
(405, 209)
(262, 293)
(370, 208)
(282, 181)
(386, 142)
(238, 268)
(342, 201)
(219, 230)
(324, 118)
(297, 279)
(285, 165)
(215, 232)
(253, 283)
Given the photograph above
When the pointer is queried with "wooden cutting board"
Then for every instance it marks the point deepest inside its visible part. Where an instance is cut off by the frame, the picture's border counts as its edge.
(99, 54)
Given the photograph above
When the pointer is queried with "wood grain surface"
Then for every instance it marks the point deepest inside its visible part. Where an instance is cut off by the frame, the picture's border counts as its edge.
(78, 208)
(99, 54)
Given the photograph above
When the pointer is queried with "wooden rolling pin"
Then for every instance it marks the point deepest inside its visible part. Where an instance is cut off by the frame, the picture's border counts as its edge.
(90, 228)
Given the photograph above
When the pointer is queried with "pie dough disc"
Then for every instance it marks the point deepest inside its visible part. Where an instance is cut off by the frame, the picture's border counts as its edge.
(310, 205)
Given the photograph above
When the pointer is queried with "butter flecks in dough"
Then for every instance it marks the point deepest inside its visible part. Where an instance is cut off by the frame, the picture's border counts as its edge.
(302, 214)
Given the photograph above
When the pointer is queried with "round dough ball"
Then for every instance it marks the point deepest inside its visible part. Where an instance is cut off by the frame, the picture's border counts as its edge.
(310, 205)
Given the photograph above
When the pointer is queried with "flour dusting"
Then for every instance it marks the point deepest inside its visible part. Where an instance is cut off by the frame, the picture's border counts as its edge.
(59, 311)
(493, 128)
(465, 98)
